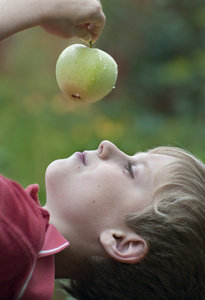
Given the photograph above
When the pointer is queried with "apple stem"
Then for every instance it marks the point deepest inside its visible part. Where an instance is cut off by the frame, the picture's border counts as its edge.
(91, 45)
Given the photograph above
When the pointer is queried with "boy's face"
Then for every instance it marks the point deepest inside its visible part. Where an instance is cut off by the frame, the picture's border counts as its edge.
(95, 190)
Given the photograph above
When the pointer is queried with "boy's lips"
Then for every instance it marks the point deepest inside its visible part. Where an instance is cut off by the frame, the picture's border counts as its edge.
(81, 157)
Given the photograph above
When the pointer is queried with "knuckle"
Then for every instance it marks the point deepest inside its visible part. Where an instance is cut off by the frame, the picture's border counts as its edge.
(98, 8)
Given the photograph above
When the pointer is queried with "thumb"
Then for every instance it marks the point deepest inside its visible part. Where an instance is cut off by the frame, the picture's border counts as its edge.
(83, 33)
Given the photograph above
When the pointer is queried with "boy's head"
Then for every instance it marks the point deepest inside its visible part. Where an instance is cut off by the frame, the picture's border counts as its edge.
(90, 194)
(173, 226)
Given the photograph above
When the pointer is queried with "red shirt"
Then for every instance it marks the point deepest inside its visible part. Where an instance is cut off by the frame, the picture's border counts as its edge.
(27, 244)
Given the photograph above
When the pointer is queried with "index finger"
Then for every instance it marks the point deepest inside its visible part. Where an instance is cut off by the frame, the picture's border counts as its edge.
(96, 27)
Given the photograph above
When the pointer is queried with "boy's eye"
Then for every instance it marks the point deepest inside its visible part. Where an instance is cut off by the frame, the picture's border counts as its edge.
(130, 169)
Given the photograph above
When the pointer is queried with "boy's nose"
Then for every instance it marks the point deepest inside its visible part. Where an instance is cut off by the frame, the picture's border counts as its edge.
(108, 150)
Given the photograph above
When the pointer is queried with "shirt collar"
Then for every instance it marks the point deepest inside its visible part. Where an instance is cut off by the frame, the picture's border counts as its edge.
(54, 242)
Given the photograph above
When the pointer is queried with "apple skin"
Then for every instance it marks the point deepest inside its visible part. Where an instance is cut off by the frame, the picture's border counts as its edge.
(85, 74)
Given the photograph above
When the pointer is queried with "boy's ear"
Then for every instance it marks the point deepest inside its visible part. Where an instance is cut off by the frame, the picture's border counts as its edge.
(126, 247)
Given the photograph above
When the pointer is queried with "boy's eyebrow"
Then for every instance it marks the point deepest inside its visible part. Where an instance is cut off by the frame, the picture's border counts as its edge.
(146, 164)
(141, 158)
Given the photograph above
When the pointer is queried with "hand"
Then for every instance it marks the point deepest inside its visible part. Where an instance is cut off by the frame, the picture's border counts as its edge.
(68, 18)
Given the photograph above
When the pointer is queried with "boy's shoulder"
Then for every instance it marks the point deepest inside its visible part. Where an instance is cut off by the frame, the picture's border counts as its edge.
(21, 235)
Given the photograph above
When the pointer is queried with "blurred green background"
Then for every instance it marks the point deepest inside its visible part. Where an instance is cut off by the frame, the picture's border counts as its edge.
(159, 97)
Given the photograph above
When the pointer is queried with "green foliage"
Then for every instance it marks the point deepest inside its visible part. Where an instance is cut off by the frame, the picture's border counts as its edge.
(159, 97)
(160, 50)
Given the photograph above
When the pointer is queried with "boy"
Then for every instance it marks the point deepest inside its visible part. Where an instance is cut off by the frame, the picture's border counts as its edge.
(119, 226)
(136, 225)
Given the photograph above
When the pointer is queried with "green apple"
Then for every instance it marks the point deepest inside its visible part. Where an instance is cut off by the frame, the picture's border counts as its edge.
(85, 74)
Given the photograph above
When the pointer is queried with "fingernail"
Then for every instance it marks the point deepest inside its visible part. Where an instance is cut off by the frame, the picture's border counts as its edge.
(87, 38)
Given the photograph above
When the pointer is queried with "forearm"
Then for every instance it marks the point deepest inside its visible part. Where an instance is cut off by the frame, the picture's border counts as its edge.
(17, 15)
